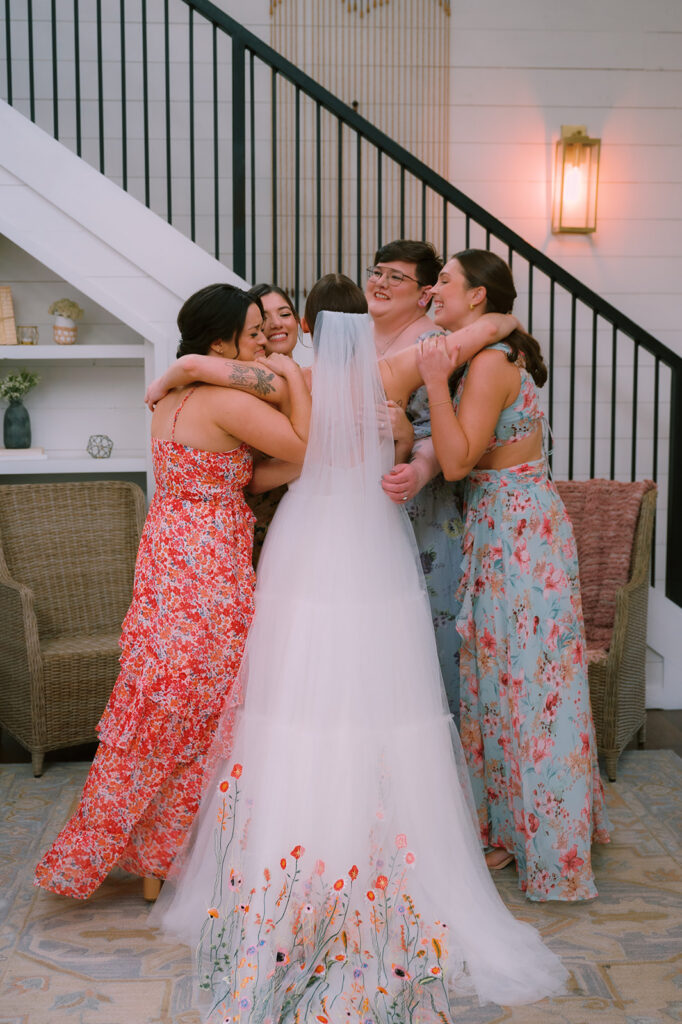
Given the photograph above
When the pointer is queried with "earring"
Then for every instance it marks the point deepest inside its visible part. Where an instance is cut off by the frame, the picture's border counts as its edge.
(472, 305)
(299, 338)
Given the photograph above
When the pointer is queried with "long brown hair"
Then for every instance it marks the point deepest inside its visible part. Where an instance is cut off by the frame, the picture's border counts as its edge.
(259, 291)
(484, 269)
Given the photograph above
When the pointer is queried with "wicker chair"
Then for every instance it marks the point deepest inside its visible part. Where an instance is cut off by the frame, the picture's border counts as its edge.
(67, 561)
(613, 523)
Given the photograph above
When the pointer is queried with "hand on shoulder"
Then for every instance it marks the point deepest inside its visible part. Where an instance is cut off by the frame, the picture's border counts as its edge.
(283, 366)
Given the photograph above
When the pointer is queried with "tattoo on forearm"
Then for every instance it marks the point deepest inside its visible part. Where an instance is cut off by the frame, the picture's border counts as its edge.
(253, 379)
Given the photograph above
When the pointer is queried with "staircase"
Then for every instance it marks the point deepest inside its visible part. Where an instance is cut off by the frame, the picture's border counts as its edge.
(195, 137)
(97, 237)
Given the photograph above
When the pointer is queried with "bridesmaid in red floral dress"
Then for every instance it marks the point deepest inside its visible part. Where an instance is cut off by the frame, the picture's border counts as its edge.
(184, 633)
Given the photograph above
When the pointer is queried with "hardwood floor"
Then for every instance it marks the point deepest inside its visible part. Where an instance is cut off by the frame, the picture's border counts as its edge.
(664, 732)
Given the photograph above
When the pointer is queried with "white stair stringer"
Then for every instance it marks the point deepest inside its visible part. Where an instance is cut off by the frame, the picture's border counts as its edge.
(97, 237)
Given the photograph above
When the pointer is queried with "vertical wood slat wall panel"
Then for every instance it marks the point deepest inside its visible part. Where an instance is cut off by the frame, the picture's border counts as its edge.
(392, 58)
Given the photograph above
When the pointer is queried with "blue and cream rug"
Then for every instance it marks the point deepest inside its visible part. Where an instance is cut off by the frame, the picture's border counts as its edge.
(98, 963)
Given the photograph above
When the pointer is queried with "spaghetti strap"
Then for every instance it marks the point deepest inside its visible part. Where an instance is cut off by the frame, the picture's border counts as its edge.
(177, 411)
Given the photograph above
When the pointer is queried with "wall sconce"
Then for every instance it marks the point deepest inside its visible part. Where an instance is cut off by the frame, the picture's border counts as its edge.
(576, 179)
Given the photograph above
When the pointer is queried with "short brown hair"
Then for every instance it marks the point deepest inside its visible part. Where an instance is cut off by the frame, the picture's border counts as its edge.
(427, 262)
(336, 293)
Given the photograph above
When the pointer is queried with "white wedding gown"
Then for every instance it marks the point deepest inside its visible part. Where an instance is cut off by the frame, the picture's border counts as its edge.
(335, 871)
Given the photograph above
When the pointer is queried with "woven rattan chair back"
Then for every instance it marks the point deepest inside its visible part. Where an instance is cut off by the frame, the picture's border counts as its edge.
(74, 545)
(614, 523)
(67, 562)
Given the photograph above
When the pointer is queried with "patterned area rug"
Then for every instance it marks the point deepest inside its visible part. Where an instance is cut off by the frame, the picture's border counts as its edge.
(98, 963)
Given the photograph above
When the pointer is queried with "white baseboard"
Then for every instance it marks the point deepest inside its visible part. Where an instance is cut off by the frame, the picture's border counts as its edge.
(664, 655)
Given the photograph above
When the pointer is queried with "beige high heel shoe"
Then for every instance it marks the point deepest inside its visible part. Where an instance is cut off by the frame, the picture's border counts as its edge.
(151, 887)
(498, 858)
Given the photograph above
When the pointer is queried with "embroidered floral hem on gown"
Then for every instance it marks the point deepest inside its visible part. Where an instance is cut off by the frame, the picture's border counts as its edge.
(182, 644)
(335, 871)
(526, 722)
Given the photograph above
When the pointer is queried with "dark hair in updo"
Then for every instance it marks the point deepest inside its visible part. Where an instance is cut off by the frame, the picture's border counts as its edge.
(217, 312)
(336, 293)
(259, 291)
(485, 269)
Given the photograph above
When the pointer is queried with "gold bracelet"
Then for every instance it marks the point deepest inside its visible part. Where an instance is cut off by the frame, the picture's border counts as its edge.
(434, 404)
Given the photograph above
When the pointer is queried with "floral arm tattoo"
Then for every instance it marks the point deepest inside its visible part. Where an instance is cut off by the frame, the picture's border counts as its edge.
(253, 379)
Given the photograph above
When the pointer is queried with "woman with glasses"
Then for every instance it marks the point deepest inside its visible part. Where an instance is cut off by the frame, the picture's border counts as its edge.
(398, 298)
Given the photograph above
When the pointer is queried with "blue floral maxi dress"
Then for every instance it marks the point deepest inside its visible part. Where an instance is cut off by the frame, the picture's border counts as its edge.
(436, 516)
(526, 722)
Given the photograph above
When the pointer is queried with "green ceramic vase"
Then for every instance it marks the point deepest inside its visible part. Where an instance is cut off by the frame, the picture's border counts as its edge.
(17, 426)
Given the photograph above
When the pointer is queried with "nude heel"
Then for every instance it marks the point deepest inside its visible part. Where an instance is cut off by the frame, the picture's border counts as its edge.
(151, 887)
(498, 865)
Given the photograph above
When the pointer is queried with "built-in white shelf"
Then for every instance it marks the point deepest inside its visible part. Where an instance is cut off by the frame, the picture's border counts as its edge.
(21, 353)
(68, 462)
(128, 462)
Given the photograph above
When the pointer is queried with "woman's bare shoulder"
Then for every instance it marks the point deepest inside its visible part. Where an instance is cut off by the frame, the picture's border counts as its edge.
(492, 365)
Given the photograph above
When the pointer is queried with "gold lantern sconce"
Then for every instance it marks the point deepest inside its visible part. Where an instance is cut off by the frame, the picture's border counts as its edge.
(576, 182)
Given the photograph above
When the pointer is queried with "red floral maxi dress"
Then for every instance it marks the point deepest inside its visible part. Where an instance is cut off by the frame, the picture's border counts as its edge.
(182, 645)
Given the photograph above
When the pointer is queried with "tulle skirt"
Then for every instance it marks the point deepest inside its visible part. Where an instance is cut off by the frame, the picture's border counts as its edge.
(335, 870)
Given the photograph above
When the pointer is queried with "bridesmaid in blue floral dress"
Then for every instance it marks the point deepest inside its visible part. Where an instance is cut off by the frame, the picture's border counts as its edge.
(526, 723)
(435, 512)
(397, 293)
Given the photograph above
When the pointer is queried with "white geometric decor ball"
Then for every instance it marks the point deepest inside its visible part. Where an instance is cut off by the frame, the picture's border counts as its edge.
(100, 446)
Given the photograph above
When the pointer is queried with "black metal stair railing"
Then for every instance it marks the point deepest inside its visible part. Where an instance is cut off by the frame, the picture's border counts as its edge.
(283, 181)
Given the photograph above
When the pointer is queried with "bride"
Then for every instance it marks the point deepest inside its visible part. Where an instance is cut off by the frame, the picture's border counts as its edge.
(335, 871)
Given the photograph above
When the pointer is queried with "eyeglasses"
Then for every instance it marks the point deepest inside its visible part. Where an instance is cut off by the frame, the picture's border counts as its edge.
(394, 277)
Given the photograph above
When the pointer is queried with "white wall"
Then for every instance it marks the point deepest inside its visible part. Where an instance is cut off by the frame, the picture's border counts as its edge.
(522, 70)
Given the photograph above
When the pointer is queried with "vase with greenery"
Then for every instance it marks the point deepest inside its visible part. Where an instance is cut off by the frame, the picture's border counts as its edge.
(65, 312)
(17, 423)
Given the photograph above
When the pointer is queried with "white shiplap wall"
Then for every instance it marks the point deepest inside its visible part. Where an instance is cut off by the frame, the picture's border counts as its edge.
(522, 70)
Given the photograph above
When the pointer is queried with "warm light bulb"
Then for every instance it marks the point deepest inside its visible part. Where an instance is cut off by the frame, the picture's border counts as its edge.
(575, 187)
